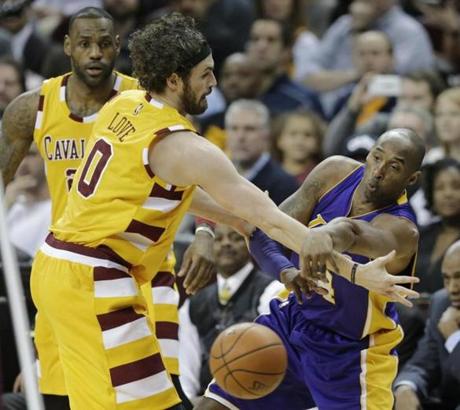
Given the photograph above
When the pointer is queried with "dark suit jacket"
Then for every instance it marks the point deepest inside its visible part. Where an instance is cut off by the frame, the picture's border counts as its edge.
(276, 181)
(432, 366)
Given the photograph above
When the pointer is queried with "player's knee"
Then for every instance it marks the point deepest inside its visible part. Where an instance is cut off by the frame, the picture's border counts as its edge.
(209, 404)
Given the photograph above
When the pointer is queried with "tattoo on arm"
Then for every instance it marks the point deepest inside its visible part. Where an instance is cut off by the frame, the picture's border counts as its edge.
(300, 205)
(17, 132)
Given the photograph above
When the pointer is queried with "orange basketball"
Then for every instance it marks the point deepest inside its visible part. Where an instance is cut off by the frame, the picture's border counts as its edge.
(248, 360)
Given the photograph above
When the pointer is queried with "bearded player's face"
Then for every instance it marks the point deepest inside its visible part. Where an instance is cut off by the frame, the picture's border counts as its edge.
(198, 86)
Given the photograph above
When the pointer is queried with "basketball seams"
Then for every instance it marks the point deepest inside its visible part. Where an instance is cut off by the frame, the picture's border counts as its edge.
(241, 355)
(233, 344)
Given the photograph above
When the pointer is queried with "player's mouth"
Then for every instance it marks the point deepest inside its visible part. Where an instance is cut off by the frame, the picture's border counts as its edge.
(94, 71)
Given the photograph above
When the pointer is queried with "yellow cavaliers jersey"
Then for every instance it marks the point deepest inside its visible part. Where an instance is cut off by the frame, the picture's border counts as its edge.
(116, 201)
(61, 136)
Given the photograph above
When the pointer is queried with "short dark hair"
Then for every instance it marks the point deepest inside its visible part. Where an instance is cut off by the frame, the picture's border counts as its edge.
(10, 61)
(432, 78)
(287, 34)
(167, 45)
(89, 13)
(430, 172)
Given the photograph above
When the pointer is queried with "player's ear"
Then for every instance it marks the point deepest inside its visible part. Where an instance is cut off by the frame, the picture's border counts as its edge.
(415, 177)
(174, 82)
(117, 44)
(67, 45)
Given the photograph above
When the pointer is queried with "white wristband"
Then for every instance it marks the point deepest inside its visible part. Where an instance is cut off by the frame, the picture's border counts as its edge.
(206, 229)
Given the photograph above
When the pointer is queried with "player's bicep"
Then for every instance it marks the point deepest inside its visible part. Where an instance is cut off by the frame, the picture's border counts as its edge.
(17, 132)
(191, 160)
(384, 234)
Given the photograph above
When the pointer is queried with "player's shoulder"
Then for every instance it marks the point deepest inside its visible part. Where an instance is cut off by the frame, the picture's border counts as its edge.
(331, 171)
(127, 82)
(19, 117)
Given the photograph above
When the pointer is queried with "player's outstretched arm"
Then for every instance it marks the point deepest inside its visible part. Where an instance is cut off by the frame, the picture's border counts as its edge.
(371, 239)
(184, 158)
(18, 124)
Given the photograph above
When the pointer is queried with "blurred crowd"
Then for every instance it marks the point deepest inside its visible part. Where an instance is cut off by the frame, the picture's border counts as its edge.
(298, 81)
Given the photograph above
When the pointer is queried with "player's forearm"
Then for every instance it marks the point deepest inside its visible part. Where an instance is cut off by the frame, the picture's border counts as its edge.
(204, 206)
(344, 233)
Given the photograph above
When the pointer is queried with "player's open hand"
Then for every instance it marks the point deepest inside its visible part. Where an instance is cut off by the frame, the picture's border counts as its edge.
(375, 277)
(294, 282)
(198, 263)
(317, 250)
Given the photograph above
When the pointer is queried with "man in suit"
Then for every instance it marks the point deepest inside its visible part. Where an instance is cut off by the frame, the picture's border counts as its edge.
(240, 294)
(247, 123)
(436, 362)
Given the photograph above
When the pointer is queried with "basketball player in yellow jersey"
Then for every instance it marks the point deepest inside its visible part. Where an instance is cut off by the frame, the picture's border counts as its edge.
(144, 167)
(59, 118)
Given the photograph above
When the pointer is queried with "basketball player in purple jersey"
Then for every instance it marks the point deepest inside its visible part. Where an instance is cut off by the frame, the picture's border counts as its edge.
(341, 345)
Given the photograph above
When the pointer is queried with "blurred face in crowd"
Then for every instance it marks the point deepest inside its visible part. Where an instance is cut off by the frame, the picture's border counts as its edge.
(247, 135)
(10, 85)
(16, 19)
(194, 8)
(121, 9)
(447, 120)
(416, 94)
(446, 193)
(451, 273)
(363, 14)
(298, 141)
(239, 77)
(409, 120)
(372, 53)
(278, 9)
(31, 173)
(93, 48)
(230, 250)
(265, 46)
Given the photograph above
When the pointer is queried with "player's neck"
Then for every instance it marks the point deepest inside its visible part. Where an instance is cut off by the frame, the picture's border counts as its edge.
(167, 99)
(361, 204)
(79, 91)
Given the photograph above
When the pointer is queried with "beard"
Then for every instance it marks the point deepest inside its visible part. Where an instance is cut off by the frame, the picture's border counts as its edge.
(106, 72)
(191, 103)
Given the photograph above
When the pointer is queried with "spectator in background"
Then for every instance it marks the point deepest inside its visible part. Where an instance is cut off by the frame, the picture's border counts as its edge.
(127, 17)
(247, 123)
(332, 66)
(239, 78)
(27, 197)
(269, 46)
(291, 13)
(436, 362)
(442, 193)
(12, 82)
(240, 294)
(27, 47)
(420, 89)
(372, 54)
(225, 24)
(297, 142)
(442, 19)
(447, 120)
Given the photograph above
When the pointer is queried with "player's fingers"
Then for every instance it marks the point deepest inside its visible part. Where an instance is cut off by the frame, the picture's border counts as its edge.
(332, 261)
(189, 278)
(322, 260)
(305, 270)
(405, 292)
(405, 279)
(396, 297)
(200, 278)
(383, 260)
(315, 267)
(304, 286)
(297, 292)
(185, 266)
